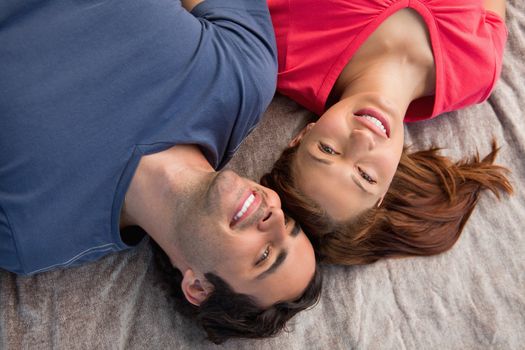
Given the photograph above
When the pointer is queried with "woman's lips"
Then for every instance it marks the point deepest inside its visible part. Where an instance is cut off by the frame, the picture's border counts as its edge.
(374, 121)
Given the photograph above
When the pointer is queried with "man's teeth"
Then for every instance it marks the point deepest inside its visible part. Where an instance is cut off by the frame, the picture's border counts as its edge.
(375, 121)
(245, 207)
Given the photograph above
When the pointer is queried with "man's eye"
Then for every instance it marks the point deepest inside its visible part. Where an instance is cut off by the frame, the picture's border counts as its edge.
(264, 256)
(326, 149)
(365, 176)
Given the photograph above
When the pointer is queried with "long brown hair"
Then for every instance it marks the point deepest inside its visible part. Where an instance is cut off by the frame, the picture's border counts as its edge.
(423, 213)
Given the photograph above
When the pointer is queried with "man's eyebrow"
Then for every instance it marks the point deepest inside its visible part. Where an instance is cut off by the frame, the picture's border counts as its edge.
(358, 183)
(278, 262)
(296, 230)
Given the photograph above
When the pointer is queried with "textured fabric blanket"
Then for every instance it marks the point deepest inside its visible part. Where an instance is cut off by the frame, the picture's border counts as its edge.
(471, 297)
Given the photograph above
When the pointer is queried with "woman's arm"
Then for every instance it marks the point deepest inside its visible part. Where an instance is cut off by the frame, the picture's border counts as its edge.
(497, 6)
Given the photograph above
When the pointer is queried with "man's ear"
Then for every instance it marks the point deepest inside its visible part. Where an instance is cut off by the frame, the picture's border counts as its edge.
(196, 288)
(295, 141)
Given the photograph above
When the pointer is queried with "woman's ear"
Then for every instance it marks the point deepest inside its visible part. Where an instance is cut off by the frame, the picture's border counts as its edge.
(196, 288)
(380, 201)
(297, 139)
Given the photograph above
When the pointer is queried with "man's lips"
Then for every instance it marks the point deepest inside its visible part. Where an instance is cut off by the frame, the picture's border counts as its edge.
(248, 204)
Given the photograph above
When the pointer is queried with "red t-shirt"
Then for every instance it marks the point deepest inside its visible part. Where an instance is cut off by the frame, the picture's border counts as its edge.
(316, 39)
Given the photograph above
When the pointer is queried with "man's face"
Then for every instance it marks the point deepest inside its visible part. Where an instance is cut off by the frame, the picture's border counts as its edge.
(236, 229)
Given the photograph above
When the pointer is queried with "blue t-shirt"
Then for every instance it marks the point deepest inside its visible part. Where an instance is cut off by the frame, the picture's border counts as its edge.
(88, 87)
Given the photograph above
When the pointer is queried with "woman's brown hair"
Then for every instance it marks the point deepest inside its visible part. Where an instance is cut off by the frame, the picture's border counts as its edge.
(423, 213)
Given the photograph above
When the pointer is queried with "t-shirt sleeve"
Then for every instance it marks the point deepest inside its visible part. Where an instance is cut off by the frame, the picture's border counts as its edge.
(499, 37)
(240, 41)
(246, 23)
(243, 29)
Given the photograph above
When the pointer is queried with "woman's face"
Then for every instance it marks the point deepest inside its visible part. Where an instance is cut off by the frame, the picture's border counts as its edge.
(347, 159)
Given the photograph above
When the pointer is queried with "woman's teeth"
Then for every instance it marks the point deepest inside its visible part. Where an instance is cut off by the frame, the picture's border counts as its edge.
(375, 121)
(245, 207)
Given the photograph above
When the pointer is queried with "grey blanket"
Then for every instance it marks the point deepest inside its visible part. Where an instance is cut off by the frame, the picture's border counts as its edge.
(471, 297)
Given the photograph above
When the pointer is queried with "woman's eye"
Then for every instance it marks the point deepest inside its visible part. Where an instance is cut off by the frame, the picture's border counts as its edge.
(264, 256)
(365, 176)
(326, 149)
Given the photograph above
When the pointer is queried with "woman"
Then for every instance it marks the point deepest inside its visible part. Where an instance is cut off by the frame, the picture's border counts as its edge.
(366, 67)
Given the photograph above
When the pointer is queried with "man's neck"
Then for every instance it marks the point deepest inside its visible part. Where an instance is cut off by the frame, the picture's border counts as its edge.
(159, 179)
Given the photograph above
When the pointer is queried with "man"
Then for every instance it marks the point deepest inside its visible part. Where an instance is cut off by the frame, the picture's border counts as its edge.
(114, 114)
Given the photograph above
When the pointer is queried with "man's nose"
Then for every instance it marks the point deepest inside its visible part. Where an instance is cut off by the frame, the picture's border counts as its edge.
(273, 223)
(361, 142)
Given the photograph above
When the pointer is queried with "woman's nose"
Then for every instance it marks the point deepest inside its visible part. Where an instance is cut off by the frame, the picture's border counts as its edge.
(361, 141)
(273, 224)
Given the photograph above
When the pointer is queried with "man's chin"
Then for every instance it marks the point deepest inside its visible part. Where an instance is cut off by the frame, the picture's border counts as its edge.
(223, 188)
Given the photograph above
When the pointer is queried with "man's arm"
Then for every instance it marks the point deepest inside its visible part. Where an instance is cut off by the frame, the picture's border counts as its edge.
(190, 4)
(497, 6)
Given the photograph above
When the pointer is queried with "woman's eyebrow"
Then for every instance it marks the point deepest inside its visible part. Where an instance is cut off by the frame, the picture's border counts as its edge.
(328, 162)
(320, 160)
(359, 184)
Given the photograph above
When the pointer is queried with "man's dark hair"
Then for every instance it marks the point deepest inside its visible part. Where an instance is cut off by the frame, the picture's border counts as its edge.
(226, 314)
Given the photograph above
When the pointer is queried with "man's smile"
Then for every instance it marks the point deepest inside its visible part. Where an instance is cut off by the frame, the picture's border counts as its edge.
(249, 203)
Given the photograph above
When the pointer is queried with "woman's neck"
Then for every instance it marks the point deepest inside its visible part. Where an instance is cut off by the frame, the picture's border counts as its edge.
(392, 78)
(396, 61)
